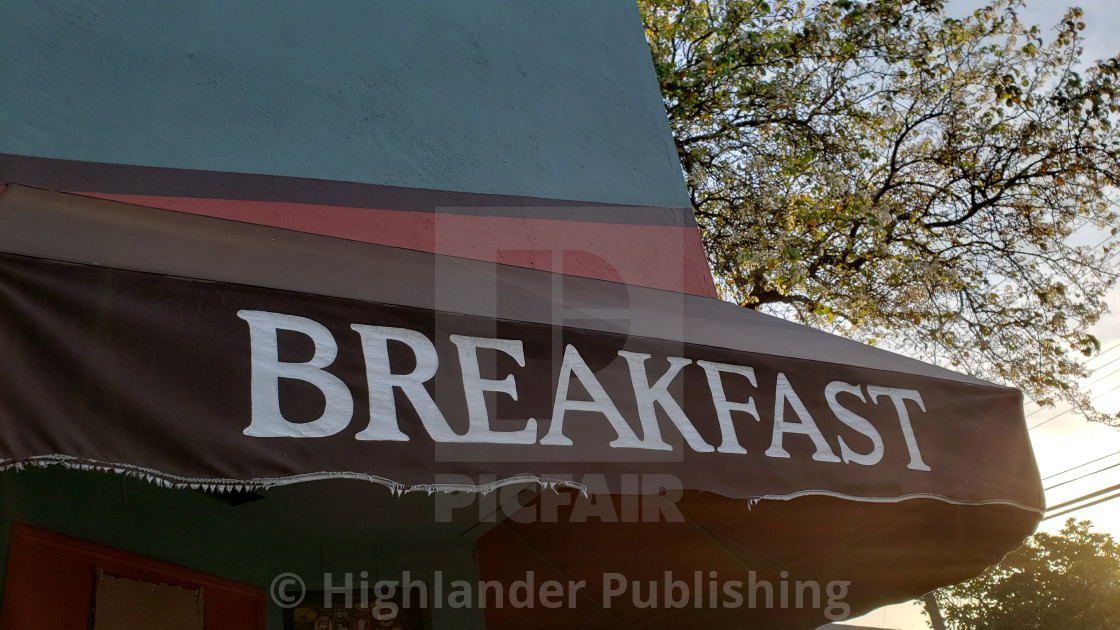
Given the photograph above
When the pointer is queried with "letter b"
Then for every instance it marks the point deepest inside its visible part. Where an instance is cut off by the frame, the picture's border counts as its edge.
(676, 592)
(267, 370)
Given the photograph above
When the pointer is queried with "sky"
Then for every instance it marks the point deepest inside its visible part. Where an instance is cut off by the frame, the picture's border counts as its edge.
(1065, 440)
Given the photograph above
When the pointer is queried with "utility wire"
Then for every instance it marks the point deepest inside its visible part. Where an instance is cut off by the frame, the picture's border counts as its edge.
(1080, 466)
(1082, 507)
(1084, 497)
(1103, 365)
(1092, 382)
(1103, 352)
(1093, 371)
(1104, 376)
(1100, 395)
(1082, 476)
(1035, 426)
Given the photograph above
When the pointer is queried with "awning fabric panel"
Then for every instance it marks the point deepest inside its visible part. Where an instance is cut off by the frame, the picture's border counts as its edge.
(150, 362)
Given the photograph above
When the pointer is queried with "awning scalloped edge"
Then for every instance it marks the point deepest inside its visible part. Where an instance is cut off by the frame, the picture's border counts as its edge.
(167, 480)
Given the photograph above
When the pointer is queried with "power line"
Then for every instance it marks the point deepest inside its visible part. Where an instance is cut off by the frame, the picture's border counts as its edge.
(1082, 476)
(1102, 394)
(1100, 356)
(1084, 497)
(1111, 347)
(1102, 366)
(1104, 376)
(1035, 426)
(1080, 466)
(1092, 371)
(1082, 507)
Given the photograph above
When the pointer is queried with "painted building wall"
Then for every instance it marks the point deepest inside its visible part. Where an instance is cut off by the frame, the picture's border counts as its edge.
(524, 104)
(551, 99)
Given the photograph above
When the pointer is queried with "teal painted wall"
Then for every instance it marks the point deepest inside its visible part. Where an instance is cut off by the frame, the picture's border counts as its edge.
(547, 98)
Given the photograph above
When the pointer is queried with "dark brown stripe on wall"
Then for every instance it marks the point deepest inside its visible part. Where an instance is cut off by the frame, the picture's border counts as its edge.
(124, 179)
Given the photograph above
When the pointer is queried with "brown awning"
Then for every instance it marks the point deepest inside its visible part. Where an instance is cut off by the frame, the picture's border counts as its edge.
(205, 353)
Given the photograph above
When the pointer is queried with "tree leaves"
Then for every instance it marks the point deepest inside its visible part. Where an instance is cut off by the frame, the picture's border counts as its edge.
(1069, 580)
(881, 170)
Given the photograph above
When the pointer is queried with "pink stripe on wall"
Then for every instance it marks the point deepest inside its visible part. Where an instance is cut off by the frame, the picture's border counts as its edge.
(662, 257)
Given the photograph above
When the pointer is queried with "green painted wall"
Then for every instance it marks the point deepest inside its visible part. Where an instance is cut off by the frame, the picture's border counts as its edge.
(548, 98)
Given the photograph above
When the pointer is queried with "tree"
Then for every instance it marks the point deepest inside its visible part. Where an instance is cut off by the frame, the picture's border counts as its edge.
(884, 171)
(1069, 580)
